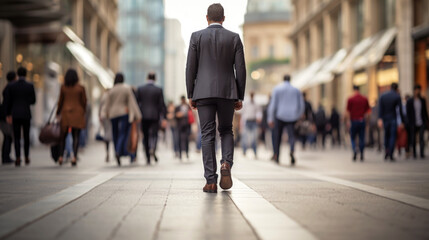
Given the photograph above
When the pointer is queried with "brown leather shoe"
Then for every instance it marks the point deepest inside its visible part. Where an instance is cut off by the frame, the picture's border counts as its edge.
(210, 188)
(225, 176)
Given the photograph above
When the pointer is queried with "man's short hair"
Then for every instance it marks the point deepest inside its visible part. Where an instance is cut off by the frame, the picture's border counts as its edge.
(22, 72)
(215, 12)
(10, 76)
(394, 86)
(417, 86)
(286, 78)
(183, 97)
(356, 87)
(151, 76)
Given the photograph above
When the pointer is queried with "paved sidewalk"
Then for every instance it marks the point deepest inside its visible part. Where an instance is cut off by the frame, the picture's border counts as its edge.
(326, 196)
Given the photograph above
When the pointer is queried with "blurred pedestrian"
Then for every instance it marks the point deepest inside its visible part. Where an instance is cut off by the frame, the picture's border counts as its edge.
(5, 127)
(286, 107)
(251, 117)
(122, 109)
(106, 125)
(152, 106)
(19, 98)
(417, 117)
(334, 123)
(184, 119)
(172, 123)
(389, 102)
(357, 110)
(71, 108)
(307, 123)
(321, 122)
(374, 129)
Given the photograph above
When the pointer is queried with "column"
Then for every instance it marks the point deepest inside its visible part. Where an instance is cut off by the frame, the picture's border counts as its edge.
(328, 34)
(314, 42)
(7, 52)
(103, 46)
(347, 27)
(77, 19)
(113, 55)
(405, 45)
(93, 34)
(302, 50)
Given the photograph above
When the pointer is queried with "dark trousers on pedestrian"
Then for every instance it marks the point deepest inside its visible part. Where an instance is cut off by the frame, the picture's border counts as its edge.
(336, 135)
(357, 129)
(184, 131)
(279, 126)
(21, 126)
(6, 147)
(414, 130)
(150, 136)
(321, 133)
(75, 133)
(390, 128)
(120, 132)
(207, 110)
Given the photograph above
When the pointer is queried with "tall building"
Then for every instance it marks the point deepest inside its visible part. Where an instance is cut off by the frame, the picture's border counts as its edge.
(174, 61)
(49, 36)
(340, 43)
(268, 50)
(141, 27)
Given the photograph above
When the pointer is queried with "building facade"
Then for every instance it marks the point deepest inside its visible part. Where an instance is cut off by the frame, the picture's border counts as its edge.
(175, 59)
(141, 26)
(341, 43)
(48, 36)
(268, 49)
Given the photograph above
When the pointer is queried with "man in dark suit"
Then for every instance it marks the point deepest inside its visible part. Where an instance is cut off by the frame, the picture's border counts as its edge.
(389, 102)
(6, 127)
(18, 100)
(417, 117)
(214, 88)
(151, 101)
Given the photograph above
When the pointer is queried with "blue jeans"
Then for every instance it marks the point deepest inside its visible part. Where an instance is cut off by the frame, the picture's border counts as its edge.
(390, 128)
(358, 128)
(250, 135)
(120, 132)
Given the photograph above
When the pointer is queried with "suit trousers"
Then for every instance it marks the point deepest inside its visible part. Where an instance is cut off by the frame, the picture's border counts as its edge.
(279, 126)
(150, 136)
(24, 126)
(207, 110)
(414, 130)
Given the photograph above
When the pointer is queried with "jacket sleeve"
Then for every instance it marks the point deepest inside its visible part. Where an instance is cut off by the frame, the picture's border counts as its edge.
(425, 111)
(191, 66)
(60, 102)
(83, 98)
(162, 106)
(272, 107)
(240, 68)
(7, 101)
(134, 110)
(32, 97)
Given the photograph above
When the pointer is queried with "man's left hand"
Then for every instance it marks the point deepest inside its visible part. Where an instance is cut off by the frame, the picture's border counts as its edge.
(193, 104)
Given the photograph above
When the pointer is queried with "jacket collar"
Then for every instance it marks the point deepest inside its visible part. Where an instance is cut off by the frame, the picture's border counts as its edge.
(215, 26)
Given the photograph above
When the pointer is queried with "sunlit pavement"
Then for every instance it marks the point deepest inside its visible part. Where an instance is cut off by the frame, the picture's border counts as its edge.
(325, 196)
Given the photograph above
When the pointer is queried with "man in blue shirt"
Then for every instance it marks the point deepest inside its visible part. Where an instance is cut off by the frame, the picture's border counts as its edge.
(286, 107)
(389, 102)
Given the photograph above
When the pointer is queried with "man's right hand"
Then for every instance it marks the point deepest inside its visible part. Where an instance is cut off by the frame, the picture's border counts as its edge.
(271, 124)
(380, 123)
(238, 105)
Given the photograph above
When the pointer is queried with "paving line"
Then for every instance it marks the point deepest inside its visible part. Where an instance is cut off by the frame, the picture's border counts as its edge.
(267, 221)
(400, 197)
(16, 219)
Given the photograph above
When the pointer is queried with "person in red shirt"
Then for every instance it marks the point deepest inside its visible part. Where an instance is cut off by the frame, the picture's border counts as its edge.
(357, 109)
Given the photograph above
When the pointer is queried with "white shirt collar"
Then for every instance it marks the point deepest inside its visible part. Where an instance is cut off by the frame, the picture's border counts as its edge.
(151, 81)
(212, 24)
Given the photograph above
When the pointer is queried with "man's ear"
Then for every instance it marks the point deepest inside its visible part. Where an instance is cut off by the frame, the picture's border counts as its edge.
(207, 17)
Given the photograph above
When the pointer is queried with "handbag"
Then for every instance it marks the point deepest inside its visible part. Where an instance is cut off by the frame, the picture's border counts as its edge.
(191, 118)
(51, 132)
(133, 138)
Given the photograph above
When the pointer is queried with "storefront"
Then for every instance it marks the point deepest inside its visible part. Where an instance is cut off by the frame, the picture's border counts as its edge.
(421, 58)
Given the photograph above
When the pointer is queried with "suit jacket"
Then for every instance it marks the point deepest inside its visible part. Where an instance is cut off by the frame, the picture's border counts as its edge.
(214, 54)
(18, 99)
(72, 107)
(388, 103)
(411, 116)
(3, 105)
(151, 102)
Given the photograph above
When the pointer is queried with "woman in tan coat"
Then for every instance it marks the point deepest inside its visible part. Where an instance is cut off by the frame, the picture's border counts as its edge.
(71, 108)
(122, 110)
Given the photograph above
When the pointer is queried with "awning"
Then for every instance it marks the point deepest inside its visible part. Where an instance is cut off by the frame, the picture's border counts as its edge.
(91, 63)
(377, 50)
(355, 52)
(326, 73)
(301, 78)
